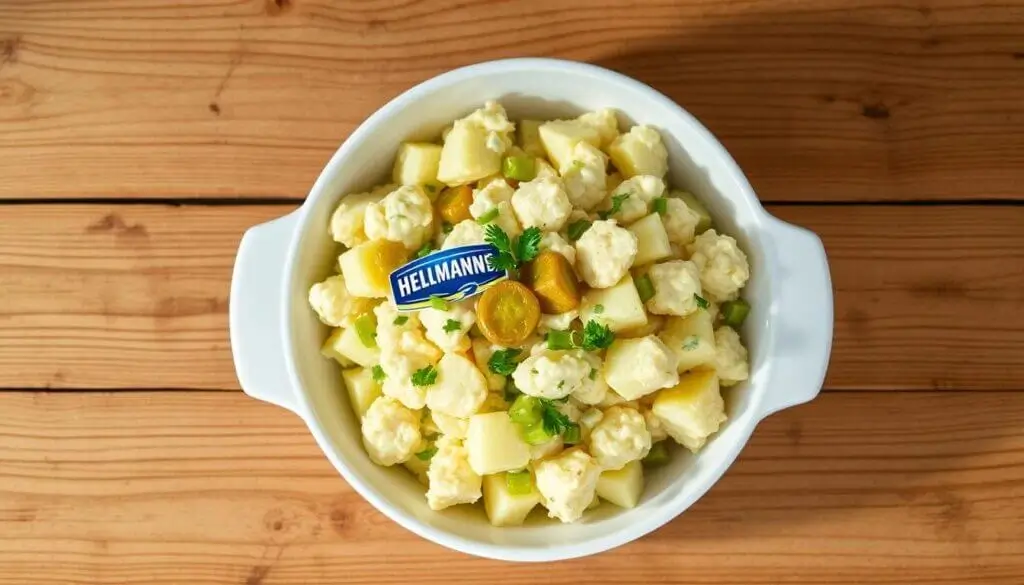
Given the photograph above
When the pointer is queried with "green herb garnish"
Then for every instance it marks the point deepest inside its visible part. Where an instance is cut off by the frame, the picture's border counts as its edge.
(555, 422)
(424, 376)
(378, 374)
(511, 254)
(503, 361)
(691, 343)
(401, 320)
(452, 325)
(617, 201)
(701, 301)
(577, 228)
(598, 309)
(597, 336)
(426, 249)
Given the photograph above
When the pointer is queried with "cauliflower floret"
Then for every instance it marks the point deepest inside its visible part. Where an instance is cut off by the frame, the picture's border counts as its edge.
(654, 425)
(346, 226)
(637, 367)
(333, 303)
(459, 389)
(567, 484)
(452, 480)
(589, 420)
(494, 120)
(543, 170)
(730, 357)
(585, 176)
(594, 388)
(464, 233)
(619, 438)
(676, 287)
(640, 152)
(450, 426)
(542, 203)
(636, 195)
(605, 122)
(551, 374)
(723, 266)
(556, 243)
(604, 253)
(496, 194)
(559, 322)
(403, 350)
(405, 215)
(391, 432)
(680, 221)
(449, 329)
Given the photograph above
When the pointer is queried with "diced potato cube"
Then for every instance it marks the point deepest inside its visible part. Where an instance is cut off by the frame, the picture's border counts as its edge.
(559, 137)
(705, 218)
(529, 137)
(367, 266)
(362, 389)
(639, 152)
(351, 348)
(418, 468)
(618, 306)
(465, 156)
(330, 350)
(494, 444)
(692, 410)
(417, 164)
(622, 487)
(692, 338)
(504, 508)
(652, 242)
(655, 323)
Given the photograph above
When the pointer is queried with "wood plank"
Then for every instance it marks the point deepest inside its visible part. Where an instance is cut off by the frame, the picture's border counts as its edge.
(135, 296)
(217, 489)
(906, 99)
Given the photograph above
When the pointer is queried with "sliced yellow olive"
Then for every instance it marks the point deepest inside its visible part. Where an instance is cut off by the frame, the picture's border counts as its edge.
(551, 277)
(507, 313)
(453, 204)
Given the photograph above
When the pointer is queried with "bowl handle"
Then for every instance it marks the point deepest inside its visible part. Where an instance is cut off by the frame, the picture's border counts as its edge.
(801, 317)
(257, 336)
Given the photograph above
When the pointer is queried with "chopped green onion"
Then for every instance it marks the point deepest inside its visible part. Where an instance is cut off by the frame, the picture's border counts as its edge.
(572, 434)
(598, 309)
(488, 217)
(525, 411)
(520, 168)
(401, 320)
(577, 228)
(425, 250)
(427, 453)
(519, 483)
(657, 456)
(560, 339)
(366, 329)
(660, 205)
(701, 301)
(378, 374)
(438, 303)
(645, 288)
(536, 434)
(735, 312)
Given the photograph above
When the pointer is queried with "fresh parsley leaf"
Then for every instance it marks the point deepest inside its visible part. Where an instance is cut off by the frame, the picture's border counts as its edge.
(424, 376)
(528, 244)
(401, 320)
(503, 361)
(597, 336)
(427, 453)
(691, 343)
(426, 249)
(488, 217)
(598, 309)
(701, 301)
(617, 201)
(378, 374)
(577, 228)
(555, 421)
(452, 325)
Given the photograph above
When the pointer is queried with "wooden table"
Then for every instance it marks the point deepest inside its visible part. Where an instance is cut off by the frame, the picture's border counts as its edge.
(138, 139)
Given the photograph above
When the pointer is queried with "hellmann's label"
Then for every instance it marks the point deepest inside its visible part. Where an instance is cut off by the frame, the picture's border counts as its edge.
(451, 275)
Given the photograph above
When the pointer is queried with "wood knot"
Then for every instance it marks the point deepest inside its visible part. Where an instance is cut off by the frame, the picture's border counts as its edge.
(257, 574)
(275, 7)
(113, 223)
(877, 111)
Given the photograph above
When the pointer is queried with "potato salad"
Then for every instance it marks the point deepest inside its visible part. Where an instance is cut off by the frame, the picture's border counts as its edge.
(611, 337)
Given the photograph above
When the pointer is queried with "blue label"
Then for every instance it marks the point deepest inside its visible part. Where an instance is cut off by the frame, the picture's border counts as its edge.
(452, 275)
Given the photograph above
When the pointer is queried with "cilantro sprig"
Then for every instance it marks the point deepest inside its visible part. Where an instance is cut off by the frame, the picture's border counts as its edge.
(424, 376)
(617, 201)
(377, 373)
(452, 325)
(503, 361)
(555, 421)
(594, 337)
(511, 253)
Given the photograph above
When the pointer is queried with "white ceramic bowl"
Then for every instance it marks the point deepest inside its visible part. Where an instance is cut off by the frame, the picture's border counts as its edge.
(275, 337)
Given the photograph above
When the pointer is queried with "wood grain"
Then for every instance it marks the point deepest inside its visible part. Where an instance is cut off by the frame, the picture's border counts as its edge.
(217, 489)
(135, 296)
(898, 100)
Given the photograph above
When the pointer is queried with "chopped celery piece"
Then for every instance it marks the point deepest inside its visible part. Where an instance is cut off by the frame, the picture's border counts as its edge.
(488, 217)
(644, 287)
(560, 339)
(438, 303)
(660, 205)
(525, 411)
(520, 168)
(735, 312)
(519, 483)
(657, 456)
(366, 329)
(536, 434)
